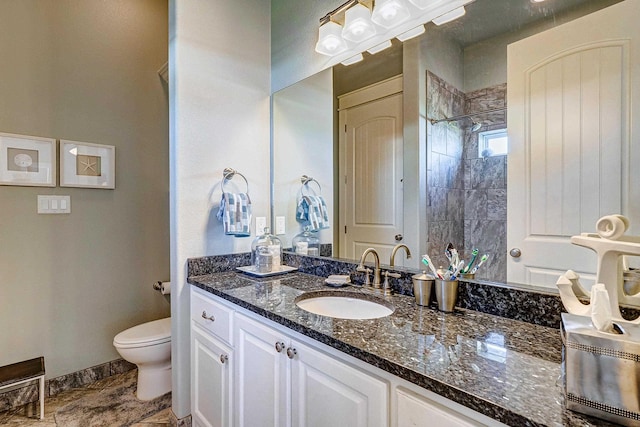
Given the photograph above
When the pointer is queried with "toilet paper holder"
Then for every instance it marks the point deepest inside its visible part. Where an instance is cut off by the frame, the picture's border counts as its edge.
(163, 287)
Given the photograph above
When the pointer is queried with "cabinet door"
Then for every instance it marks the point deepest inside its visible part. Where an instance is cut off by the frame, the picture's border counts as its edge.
(211, 365)
(414, 410)
(261, 376)
(327, 392)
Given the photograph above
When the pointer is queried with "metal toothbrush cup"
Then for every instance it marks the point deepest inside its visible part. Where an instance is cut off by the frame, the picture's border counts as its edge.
(422, 285)
(446, 294)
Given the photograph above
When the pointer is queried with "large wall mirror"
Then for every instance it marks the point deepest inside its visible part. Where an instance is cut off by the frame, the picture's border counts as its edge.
(443, 181)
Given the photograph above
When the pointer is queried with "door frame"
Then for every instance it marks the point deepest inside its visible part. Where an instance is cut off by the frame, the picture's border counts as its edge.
(388, 87)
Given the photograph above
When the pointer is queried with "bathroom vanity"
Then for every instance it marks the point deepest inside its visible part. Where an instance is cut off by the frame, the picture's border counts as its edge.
(258, 359)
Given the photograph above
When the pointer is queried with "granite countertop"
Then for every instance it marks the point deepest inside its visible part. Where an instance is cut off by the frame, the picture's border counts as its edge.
(506, 369)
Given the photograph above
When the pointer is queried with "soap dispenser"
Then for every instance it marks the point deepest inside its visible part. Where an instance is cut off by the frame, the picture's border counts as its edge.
(266, 252)
(306, 243)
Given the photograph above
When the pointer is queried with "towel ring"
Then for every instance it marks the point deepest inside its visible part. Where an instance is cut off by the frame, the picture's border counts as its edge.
(228, 174)
(305, 180)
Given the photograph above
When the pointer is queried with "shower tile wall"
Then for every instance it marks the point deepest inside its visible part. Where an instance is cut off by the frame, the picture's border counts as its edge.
(445, 169)
(485, 183)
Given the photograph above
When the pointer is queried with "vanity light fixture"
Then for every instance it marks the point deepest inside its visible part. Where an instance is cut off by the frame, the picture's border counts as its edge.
(390, 13)
(379, 47)
(372, 31)
(450, 16)
(414, 32)
(330, 41)
(353, 59)
(357, 24)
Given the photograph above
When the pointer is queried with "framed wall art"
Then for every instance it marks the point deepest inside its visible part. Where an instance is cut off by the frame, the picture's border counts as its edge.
(83, 164)
(27, 160)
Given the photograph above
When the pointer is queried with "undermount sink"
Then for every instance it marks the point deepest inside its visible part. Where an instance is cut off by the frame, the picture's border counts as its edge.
(344, 305)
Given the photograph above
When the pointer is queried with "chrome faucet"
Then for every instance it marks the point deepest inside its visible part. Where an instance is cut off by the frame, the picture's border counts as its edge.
(376, 270)
(395, 249)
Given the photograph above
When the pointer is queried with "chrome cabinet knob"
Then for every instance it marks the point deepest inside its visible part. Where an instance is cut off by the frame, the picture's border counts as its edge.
(279, 347)
(204, 316)
(224, 358)
(399, 237)
(291, 352)
(515, 252)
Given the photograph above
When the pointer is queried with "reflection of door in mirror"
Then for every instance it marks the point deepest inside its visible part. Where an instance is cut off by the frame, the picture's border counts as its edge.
(371, 165)
(571, 161)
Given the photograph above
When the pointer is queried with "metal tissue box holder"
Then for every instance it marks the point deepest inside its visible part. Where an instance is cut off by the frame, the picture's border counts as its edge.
(602, 370)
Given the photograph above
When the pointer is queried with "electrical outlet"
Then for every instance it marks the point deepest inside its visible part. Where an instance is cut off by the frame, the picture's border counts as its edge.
(280, 225)
(261, 224)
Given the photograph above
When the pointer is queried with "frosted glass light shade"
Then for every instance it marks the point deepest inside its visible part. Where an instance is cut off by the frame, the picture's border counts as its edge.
(357, 24)
(380, 47)
(389, 13)
(353, 59)
(330, 41)
(423, 4)
(414, 32)
(450, 16)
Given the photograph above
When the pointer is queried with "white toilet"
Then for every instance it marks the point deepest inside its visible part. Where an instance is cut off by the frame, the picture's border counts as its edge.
(149, 346)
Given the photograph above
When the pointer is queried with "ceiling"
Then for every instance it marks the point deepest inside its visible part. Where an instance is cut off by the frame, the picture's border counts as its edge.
(508, 16)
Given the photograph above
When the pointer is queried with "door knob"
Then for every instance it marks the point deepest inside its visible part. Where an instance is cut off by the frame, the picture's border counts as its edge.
(515, 252)
(399, 237)
(279, 346)
(224, 358)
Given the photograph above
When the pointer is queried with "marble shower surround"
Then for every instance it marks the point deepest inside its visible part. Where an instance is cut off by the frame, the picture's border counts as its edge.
(467, 194)
(445, 169)
(485, 184)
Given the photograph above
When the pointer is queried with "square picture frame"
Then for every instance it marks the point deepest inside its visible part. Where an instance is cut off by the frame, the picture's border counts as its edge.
(87, 165)
(27, 160)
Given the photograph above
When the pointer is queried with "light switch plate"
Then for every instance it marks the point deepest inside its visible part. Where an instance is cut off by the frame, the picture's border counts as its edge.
(261, 224)
(54, 204)
(280, 225)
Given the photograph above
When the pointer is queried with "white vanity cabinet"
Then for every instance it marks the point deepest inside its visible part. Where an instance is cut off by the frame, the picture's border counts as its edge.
(282, 381)
(248, 371)
(212, 360)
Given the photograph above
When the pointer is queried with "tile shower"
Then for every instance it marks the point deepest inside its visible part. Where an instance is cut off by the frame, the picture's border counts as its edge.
(467, 194)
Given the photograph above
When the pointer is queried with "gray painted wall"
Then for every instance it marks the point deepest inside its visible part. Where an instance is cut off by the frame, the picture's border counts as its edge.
(86, 71)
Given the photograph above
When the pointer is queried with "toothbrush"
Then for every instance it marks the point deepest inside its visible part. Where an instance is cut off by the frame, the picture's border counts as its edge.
(427, 261)
(457, 270)
(447, 251)
(455, 259)
(474, 254)
(482, 260)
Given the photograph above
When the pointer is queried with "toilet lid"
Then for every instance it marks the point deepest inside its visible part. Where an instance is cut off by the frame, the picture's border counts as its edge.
(150, 333)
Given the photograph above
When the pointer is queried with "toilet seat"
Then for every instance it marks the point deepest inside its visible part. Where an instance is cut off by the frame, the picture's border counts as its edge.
(144, 335)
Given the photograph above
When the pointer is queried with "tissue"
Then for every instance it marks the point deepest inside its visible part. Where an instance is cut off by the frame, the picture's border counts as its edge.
(600, 308)
(163, 287)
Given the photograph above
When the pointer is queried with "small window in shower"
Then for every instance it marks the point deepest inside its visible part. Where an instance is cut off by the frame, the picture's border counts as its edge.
(493, 143)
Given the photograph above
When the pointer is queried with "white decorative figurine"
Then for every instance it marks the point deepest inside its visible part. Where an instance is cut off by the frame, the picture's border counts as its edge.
(611, 245)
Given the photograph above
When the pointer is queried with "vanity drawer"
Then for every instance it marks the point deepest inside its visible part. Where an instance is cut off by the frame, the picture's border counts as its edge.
(211, 315)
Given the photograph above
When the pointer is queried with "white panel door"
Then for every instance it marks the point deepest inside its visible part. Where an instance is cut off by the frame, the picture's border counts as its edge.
(326, 392)
(261, 376)
(569, 104)
(373, 173)
(212, 365)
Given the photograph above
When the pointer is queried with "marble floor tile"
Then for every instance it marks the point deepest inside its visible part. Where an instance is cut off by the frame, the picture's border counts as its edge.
(72, 406)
